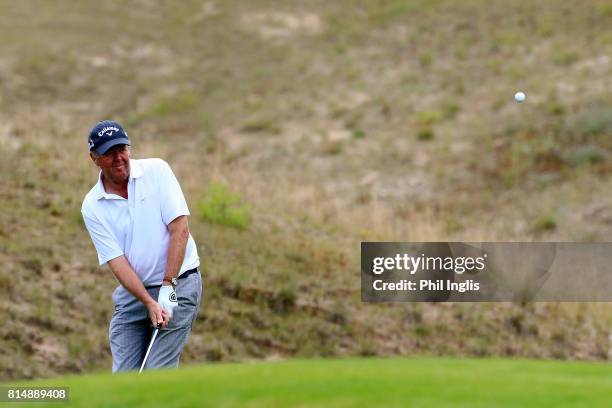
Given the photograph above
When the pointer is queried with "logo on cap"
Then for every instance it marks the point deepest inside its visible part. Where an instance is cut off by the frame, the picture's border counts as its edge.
(106, 131)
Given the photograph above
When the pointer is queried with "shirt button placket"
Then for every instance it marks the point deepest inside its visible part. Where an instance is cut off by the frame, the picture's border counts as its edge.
(131, 199)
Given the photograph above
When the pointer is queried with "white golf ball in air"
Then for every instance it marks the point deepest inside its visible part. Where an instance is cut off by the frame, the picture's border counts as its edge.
(519, 96)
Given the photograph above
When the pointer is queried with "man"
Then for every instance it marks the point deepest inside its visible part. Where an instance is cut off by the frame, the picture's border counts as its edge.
(136, 215)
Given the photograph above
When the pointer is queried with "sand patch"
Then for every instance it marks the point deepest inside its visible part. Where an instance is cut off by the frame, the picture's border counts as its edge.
(277, 24)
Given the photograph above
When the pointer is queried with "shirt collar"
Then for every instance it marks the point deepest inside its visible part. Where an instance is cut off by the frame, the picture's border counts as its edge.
(135, 169)
(135, 172)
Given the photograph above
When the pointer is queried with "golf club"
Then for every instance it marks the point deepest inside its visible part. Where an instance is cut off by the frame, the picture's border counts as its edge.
(150, 345)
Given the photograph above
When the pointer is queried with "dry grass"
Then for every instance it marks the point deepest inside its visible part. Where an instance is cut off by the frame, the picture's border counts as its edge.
(313, 114)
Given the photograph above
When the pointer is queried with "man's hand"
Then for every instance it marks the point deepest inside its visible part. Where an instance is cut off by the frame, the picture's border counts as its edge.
(157, 314)
(167, 299)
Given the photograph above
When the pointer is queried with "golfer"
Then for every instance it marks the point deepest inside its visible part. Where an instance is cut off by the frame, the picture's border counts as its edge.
(136, 216)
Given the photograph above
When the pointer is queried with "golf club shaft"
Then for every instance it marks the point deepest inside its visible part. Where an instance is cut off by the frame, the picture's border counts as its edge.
(149, 349)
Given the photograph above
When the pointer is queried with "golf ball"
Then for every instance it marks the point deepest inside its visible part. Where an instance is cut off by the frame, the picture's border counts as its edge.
(519, 96)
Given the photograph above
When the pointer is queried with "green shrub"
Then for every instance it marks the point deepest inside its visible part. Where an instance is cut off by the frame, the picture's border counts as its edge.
(565, 58)
(169, 105)
(425, 60)
(460, 53)
(546, 223)
(358, 134)
(425, 134)
(605, 10)
(449, 110)
(594, 122)
(581, 155)
(33, 264)
(261, 124)
(429, 117)
(220, 206)
(555, 108)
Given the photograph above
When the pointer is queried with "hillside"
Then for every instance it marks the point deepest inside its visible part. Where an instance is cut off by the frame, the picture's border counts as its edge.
(332, 123)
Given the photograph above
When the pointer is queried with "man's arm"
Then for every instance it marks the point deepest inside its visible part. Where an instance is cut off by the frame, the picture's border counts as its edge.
(127, 277)
(179, 234)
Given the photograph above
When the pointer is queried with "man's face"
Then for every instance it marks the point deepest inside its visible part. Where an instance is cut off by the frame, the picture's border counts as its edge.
(115, 163)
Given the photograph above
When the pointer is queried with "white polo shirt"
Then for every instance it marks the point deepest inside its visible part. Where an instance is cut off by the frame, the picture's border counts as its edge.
(137, 226)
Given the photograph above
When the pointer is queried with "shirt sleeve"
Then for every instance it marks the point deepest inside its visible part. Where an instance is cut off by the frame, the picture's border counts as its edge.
(172, 200)
(103, 239)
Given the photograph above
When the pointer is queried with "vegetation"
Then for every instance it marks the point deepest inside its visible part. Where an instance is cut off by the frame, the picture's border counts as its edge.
(312, 115)
(423, 382)
(222, 207)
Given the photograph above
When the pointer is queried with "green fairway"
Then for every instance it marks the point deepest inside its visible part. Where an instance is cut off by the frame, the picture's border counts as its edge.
(419, 382)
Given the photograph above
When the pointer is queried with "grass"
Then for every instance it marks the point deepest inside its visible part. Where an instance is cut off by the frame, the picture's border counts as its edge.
(429, 117)
(594, 122)
(425, 134)
(418, 382)
(219, 101)
(223, 207)
(546, 223)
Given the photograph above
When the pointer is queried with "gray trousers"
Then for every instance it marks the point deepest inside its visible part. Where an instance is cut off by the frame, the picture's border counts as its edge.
(130, 329)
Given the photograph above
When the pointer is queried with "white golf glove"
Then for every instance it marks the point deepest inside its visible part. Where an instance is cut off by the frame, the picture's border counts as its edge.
(167, 298)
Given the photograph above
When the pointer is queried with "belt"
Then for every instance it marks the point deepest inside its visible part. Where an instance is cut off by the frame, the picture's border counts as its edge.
(181, 276)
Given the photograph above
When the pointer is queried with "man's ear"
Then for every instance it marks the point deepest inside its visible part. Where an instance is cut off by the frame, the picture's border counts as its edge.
(93, 158)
